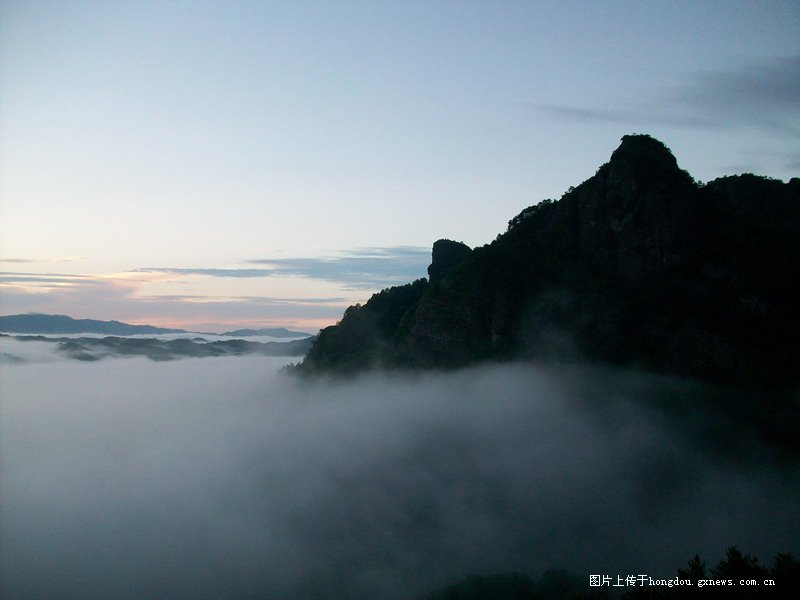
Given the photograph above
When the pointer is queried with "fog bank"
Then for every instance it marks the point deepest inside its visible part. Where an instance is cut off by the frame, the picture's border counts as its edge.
(218, 478)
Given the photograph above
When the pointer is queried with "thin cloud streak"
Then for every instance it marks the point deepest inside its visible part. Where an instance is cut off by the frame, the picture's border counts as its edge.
(652, 114)
(46, 281)
(764, 95)
(38, 260)
(775, 83)
(65, 275)
(194, 298)
(337, 301)
(41, 279)
(359, 269)
(209, 272)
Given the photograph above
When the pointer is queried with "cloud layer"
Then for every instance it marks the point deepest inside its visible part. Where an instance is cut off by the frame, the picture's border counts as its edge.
(764, 94)
(213, 479)
(359, 269)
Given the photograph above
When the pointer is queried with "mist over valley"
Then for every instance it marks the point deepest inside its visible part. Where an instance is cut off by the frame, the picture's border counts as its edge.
(224, 478)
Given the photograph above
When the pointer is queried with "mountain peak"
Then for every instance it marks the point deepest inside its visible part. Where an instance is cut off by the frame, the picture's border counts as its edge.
(637, 265)
(643, 156)
(643, 146)
(446, 255)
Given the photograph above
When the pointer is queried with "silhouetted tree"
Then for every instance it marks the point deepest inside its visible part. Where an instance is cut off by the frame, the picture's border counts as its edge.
(695, 570)
(786, 573)
(737, 566)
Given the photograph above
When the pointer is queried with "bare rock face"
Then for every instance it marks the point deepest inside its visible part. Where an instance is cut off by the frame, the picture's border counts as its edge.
(449, 326)
(637, 214)
(446, 255)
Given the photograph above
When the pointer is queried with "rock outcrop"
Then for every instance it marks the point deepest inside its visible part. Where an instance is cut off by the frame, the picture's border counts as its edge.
(445, 256)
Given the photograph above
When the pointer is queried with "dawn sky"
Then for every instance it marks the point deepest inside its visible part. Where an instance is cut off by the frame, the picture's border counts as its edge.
(203, 164)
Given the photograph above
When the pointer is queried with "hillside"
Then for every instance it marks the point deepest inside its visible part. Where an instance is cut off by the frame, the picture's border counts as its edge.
(637, 266)
(40, 323)
(278, 332)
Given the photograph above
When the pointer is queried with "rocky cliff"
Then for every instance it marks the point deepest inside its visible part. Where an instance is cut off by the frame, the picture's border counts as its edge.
(639, 265)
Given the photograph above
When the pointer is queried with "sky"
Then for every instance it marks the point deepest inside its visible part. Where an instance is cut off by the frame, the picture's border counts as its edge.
(214, 164)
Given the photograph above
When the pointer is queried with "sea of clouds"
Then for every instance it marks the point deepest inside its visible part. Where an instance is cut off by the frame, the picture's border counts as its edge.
(224, 478)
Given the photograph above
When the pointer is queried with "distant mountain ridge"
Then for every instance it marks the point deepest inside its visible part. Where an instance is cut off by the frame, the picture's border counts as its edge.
(62, 324)
(278, 332)
(639, 265)
(41, 323)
